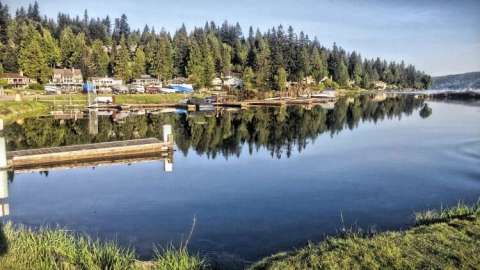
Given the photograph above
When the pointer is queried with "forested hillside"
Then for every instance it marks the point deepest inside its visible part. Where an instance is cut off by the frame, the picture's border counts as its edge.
(35, 44)
(469, 80)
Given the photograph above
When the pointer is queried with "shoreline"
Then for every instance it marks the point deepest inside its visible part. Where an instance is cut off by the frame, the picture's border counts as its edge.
(441, 238)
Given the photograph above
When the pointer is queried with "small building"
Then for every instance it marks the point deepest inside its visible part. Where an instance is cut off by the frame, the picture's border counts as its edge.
(67, 78)
(379, 85)
(17, 80)
(232, 82)
(217, 83)
(309, 80)
(103, 82)
(146, 79)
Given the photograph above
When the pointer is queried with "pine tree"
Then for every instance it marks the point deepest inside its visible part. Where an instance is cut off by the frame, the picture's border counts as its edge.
(50, 49)
(70, 53)
(195, 65)
(122, 67)
(163, 64)
(139, 63)
(262, 65)
(319, 66)
(32, 59)
(226, 59)
(281, 79)
(342, 74)
(99, 59)
(248, 81)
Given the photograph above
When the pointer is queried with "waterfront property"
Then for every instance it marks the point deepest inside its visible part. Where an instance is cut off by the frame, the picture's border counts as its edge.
(68, 79)
(16, 80)
(147, 80)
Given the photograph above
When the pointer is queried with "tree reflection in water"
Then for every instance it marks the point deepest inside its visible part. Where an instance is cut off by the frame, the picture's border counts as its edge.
(281, 130)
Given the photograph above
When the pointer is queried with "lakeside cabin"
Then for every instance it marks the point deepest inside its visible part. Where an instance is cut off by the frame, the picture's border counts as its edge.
(16, 80)
(67, 79)
(147, 80)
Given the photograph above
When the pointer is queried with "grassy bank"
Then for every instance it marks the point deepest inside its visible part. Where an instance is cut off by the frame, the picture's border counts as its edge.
(444, 239)
(11, 110)
(152, 99)
(22, 249)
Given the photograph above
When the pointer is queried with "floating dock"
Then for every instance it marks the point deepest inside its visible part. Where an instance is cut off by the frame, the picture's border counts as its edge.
(87, 153)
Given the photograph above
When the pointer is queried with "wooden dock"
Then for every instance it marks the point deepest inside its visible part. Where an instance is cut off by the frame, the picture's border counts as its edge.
(44, 157)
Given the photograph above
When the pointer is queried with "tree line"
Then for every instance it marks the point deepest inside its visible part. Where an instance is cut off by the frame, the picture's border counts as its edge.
(35, 44)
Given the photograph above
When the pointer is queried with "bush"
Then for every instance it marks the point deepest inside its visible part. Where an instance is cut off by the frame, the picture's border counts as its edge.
(36, 86)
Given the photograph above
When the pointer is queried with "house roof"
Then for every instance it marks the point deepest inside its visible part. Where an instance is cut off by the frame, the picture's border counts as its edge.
(67, 71)
(13, 75)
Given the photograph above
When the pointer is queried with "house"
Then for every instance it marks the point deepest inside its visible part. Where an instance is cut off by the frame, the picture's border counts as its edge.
(16, 80)
(146, 80)
(232, 82)
(217, 83)
(104, 82)
(308, 80)
(379, 85)
(70, 79)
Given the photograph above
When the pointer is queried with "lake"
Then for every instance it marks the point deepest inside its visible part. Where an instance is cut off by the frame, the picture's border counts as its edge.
(258, 181)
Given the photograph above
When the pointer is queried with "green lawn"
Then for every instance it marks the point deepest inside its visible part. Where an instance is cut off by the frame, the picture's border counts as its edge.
(152, 99)
(449, 240)
(11, 110)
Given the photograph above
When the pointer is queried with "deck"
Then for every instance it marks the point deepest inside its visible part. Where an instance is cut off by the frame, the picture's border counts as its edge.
(24, 159)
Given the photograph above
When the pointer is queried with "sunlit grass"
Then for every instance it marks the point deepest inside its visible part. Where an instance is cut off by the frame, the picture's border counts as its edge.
(451, 240)
(22, 248)
(444, 214)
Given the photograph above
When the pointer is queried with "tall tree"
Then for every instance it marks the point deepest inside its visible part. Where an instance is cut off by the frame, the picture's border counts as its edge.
(32, 59)
(122, 68)
(281, 79)
(99, 59)
(139, 63)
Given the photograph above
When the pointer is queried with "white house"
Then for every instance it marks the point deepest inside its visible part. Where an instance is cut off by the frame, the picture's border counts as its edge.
(67, 78)
(146, 80)
(232, 82)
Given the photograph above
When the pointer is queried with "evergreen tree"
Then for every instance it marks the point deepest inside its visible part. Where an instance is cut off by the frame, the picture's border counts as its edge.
(163, 65)
(122, 67)
(342, 74)
(195, 68)
(319, 65)
(281, 79)
(248, 80)
(139, 63)
(50, 49)
(99, 59)
(70, 53)
(32, 59)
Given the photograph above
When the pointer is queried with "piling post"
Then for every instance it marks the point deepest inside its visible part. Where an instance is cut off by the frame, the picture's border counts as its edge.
(4, 206)
(167, 134)
(3, 154)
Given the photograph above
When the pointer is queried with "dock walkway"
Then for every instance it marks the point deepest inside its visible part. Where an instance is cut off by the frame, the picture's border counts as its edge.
(85, 152)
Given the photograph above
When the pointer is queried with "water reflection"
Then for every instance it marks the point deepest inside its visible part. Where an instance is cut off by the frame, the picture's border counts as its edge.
(281, 130)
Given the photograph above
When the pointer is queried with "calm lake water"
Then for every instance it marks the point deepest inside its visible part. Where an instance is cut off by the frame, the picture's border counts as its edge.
(257, 181)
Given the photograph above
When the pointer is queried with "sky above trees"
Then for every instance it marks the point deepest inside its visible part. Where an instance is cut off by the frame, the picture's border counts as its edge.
(440, 37)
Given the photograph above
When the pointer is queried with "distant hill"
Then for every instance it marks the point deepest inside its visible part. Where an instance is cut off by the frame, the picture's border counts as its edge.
(469, 80)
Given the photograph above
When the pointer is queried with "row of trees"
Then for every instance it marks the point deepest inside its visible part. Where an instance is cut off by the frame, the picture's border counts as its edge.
(35, 44)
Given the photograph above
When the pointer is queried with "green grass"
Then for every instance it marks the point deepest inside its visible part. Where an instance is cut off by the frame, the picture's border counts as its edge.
(149, 99)
(445, 214)
(22, 249)
(11, 110)
(444, 239)
(451, 240)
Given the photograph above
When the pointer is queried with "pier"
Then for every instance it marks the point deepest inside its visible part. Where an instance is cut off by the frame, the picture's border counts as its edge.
(87, 153)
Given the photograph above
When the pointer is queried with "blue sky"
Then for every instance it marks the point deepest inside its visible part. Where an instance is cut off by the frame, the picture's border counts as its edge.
(438, 36)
